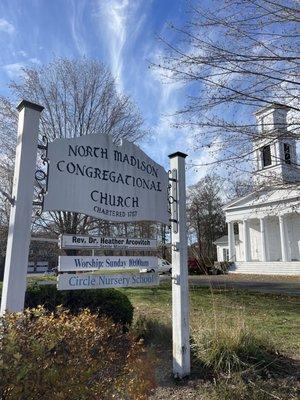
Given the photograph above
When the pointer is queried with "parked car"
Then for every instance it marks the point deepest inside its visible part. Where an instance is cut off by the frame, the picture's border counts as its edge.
(164, 267)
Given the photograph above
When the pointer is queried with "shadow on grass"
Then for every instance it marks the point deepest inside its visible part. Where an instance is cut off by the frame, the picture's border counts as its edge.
(153, 332)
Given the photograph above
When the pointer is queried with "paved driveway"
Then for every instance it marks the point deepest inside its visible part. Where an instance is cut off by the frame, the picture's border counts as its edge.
(263, 284)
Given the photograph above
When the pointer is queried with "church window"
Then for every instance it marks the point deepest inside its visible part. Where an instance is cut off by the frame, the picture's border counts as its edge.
(263, 123)
(287, 153)
(225, 254)
(236, 228)
(266, 156)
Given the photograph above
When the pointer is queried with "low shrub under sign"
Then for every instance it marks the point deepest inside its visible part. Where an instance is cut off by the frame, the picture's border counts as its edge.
(64, 356)
(109, 302)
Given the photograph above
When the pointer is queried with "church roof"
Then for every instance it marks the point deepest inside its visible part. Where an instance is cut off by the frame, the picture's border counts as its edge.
(271, 107)
(266, 196)
(269, 199)
(223, 240)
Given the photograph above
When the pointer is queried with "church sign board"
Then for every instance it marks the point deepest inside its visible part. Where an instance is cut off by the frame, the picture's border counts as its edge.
(95, 176)
(95, 281)
(91, 263)
(105, 242)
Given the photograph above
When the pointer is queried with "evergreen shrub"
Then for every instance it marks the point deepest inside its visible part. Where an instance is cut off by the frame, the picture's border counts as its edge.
(108, 302)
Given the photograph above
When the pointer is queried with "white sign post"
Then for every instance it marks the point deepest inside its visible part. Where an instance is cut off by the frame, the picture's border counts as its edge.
(180, 288)
(14, 282)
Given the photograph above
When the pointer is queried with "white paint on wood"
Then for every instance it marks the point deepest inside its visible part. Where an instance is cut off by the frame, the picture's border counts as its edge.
(246, 241)
(94, 175)
(180, 289)
(105, 242)
(14, 282)
(266, 268)
(283, 238)
(231, 241)
(93, 263)
(95, 281)
(263, 239)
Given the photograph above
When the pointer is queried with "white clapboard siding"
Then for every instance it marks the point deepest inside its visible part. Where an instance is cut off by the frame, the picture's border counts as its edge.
(266, 268)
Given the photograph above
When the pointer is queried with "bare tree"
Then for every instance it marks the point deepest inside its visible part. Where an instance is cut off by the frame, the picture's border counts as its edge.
(206, 219)
(80, 98)
(235, 56)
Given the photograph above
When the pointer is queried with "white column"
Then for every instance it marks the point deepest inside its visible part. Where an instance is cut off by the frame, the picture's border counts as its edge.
(263, 239)
(180, 288)
(14, 282)
(246, 240)
(231, 242)
(283, 238)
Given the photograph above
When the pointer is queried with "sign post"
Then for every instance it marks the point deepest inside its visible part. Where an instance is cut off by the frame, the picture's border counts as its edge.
(14, 282)
(180, 289)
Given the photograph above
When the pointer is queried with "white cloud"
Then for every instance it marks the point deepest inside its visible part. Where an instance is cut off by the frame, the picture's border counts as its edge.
(77, 26)
(13, 70)
(35, 60)
(6, 26)
(119, 18)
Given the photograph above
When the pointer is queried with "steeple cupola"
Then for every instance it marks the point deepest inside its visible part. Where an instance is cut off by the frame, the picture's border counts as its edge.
(275, 154)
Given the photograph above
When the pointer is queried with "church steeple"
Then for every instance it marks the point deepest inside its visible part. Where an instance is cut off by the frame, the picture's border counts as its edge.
(274, 148)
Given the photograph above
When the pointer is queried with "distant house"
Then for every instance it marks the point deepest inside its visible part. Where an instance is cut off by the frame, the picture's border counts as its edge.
(223, 248)
(268, 219)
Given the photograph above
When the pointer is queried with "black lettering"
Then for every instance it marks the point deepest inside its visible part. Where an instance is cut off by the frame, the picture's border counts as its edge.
(69, 169)
(135, 202)
(104, 154)
(120, 201)
(81, 151)
(78, 168)
(117, 155)
(71, 150)
(92, 194)
(97, 173)
(139, 182)
(145, 184)
(58, 165)
(89, 151)
(105, 175)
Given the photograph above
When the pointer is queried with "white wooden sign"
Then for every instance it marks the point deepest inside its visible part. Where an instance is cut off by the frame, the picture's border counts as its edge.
(92, 263)
(105, 242)
(95, 176)
(94, 281)
(30, 267)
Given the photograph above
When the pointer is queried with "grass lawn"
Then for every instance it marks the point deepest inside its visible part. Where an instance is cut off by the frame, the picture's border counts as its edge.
(274, 316)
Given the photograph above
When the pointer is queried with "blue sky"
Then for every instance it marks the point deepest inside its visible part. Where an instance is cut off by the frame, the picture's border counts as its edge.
(122, 34)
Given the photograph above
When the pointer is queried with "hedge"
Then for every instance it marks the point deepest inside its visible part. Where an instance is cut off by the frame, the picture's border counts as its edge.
(108, 302)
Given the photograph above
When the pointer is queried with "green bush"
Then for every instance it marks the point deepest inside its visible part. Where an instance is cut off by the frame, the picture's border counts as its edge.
(109, 302)
(64, 356)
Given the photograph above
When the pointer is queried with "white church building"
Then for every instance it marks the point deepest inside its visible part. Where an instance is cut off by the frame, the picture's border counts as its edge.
(264, 226)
